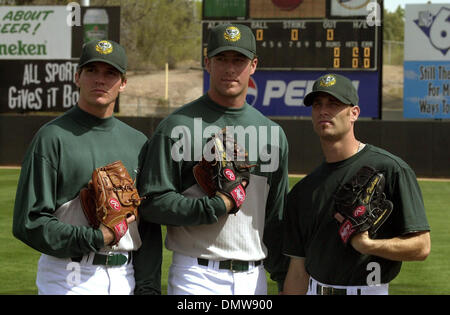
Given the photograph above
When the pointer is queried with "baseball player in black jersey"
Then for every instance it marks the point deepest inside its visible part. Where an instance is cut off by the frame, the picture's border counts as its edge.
(324, 259)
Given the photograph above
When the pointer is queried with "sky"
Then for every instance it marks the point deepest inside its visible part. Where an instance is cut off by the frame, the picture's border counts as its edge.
(391, 5)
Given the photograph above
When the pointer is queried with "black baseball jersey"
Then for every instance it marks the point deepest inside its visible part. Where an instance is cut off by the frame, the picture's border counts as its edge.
(312, 231)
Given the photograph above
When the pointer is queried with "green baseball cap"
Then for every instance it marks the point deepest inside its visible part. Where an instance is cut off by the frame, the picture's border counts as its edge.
(336, 85)
(106, 51)
(235, 37)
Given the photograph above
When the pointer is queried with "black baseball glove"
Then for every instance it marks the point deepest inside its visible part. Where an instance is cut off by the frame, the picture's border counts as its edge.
(361, 205)
(228, 172)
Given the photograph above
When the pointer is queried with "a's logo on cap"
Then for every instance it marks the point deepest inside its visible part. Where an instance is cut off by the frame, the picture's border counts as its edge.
(104, 47)
(232, 34)
(328, 80)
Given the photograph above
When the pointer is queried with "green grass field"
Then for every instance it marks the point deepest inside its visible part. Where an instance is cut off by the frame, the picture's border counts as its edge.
(18, 262)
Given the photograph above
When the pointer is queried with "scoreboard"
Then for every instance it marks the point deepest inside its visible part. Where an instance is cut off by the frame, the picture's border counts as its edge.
(312, 44)
(299, 40)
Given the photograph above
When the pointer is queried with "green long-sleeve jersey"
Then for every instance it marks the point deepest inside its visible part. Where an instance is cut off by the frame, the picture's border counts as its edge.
(198, 225)
(57, 164)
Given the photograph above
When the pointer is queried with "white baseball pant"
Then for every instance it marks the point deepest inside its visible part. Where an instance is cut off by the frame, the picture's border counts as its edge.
(188, 277)
(58, 276)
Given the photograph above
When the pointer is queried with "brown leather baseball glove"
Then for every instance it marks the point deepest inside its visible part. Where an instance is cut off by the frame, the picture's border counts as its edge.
(110, 198)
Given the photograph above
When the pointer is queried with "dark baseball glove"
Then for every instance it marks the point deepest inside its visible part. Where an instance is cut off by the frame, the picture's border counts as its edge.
(228, 172)
(361, 205)
(110, 198)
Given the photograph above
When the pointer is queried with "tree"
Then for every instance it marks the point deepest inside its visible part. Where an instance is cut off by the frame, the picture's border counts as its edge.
(158, 31)
(394, 24)
(169, 33)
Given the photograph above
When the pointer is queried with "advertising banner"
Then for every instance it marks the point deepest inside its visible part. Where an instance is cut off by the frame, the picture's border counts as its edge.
(39, 85)
(39, 51)
(34, 32)
(281, 93)
(427, 61)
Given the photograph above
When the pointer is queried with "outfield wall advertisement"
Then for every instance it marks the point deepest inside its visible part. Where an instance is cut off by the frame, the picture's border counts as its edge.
(427, 61)
(281, 93)
(39, 51)
(25, 33)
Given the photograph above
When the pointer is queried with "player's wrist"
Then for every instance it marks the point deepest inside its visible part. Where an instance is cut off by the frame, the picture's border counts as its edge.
(229, 204)
(363, 243)
(108, 235)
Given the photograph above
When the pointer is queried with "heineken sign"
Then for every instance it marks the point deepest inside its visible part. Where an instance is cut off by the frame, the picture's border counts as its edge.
(34, 32)
(39, 51)
(22, 49)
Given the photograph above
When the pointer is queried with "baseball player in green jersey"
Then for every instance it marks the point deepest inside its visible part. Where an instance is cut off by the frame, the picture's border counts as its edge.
(48, 216)
(215, 252)
(320, 262)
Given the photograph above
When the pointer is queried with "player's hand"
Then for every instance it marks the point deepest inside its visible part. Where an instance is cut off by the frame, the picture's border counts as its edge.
(108, 235)
(229, 204)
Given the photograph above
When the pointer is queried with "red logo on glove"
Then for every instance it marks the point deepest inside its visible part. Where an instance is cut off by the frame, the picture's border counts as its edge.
(346, 230)
(359, 211)
(229, 174)
(238, 195)
(121, 229)
(114, 203)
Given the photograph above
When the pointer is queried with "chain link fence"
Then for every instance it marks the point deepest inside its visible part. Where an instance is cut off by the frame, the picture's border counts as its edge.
(392, 52)
(392, 93)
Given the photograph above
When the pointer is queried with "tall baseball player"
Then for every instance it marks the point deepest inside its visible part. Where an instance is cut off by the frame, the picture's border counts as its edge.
(48, 215)
(215, 252)
(358, 215)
